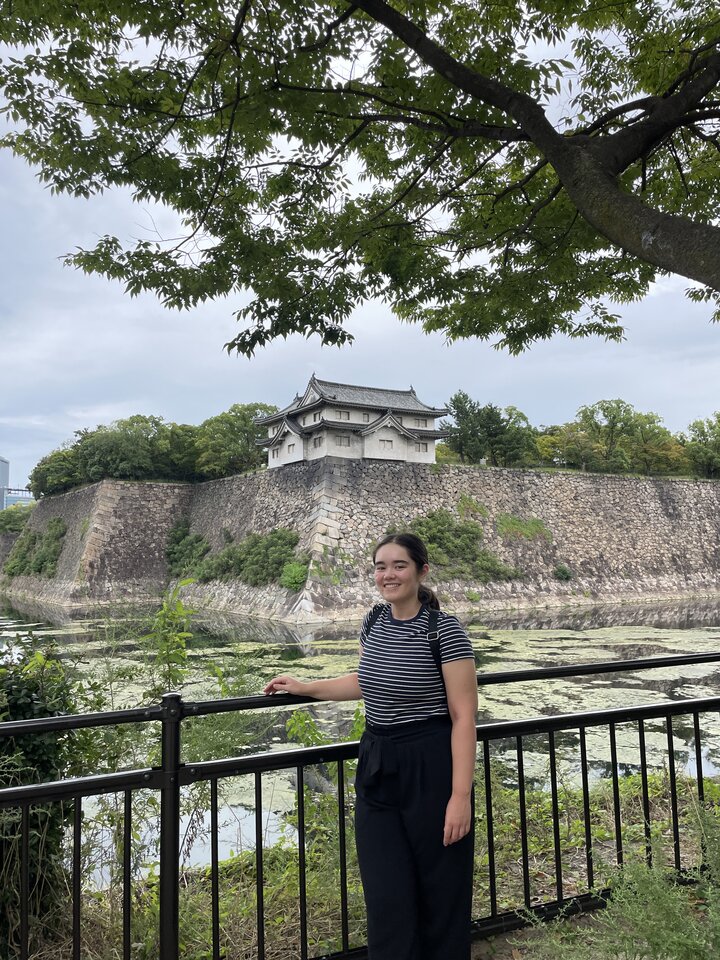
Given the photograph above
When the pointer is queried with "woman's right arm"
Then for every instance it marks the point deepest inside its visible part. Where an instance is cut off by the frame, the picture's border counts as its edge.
(336, 688)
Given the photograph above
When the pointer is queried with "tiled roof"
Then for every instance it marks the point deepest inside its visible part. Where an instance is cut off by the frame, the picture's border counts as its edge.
(348, 395)
(377, 397)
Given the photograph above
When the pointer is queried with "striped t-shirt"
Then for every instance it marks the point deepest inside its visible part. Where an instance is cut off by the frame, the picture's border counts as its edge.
(398, 677)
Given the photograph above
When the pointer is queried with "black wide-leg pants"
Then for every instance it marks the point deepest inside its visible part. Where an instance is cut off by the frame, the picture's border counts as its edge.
(418, 892)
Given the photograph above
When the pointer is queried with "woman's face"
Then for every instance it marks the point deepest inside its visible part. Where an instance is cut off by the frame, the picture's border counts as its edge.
(396, 575)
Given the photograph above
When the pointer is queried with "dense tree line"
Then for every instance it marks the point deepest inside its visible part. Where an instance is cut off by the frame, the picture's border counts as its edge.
(150, 448)
(610, 436)
(606, 437)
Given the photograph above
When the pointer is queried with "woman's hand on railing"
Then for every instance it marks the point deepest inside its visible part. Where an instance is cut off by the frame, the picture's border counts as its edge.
(286, 684)
(334, 688)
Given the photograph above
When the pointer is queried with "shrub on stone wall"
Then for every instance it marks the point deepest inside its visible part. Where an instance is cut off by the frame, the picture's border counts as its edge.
(510, 527)
(455, 551)
(293, 576)
(37, 553)
(257, 560)
(185, 550)
(14, 518)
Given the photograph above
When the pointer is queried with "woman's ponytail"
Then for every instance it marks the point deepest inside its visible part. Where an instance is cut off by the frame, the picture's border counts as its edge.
(428, 597)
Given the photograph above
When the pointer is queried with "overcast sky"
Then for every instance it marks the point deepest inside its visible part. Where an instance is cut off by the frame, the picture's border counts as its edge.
(75, 351)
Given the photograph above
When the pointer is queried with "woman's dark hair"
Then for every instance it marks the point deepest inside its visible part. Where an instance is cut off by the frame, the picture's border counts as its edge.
(417, 551)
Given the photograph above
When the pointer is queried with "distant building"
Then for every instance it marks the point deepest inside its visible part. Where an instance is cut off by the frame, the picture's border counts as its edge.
(341, 420)
(10, 495)
(4, 480)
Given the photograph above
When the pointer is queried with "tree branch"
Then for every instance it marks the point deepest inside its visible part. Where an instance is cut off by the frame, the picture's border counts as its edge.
(469, 130)
(621, 149)
(328, 32)
(586, 166)
(442, 149)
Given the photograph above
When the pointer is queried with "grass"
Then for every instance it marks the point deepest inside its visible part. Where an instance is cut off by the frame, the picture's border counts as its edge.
(510, 527)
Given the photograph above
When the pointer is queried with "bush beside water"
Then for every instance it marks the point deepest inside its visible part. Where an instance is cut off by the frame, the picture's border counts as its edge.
(33, 683)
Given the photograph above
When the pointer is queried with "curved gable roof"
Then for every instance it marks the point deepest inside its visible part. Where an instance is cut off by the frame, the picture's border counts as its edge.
(349, 395)
(387, 421)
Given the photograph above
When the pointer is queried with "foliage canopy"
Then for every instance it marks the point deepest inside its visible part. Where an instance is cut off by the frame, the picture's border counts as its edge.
(502, 438)
(150, 448)
(493, 170)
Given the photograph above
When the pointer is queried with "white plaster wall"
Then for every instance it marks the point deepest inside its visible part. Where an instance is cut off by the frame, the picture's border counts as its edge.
(353, 452)
(313, 416)
(313, 452)
(374, 450)
(285, 455)
(356, 416)
(417, 456)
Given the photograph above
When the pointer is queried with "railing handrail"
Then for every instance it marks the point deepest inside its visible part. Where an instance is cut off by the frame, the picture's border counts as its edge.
(199, 708)
(188, 773)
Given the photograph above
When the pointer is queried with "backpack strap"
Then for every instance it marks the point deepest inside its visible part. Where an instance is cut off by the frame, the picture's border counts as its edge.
(434, 641)
(374, 614)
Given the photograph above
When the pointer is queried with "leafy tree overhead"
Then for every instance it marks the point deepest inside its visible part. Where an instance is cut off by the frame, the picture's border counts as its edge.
(489, 169)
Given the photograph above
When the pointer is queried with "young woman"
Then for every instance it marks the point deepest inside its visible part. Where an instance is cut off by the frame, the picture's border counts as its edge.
(414, 803)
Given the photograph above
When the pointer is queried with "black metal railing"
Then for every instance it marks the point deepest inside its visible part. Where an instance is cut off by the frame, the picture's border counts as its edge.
(506, 749)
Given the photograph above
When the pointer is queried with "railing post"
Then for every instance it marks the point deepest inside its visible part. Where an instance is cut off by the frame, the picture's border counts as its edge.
(170, 827)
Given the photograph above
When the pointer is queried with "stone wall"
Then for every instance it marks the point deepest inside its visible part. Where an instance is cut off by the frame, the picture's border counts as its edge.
(114, 547)
(6, 544)
(623, 538)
